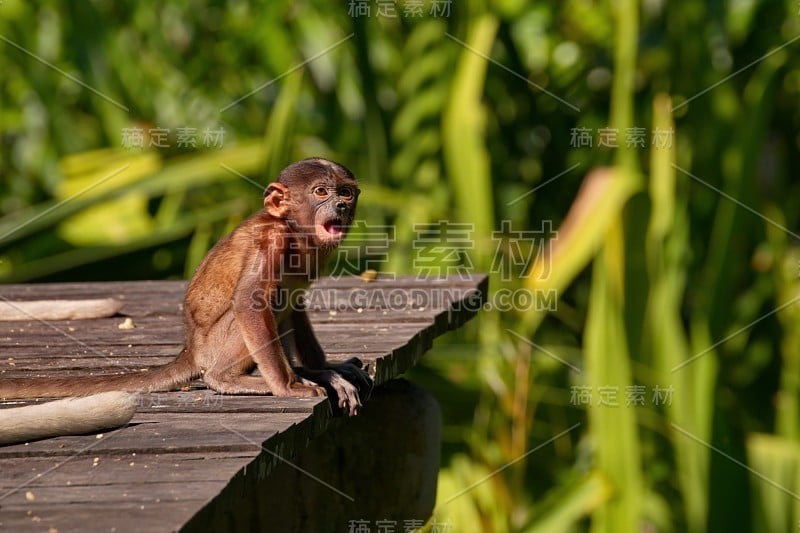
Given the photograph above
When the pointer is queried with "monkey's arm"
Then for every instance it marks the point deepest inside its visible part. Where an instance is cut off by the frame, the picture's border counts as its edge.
(346, 382)
(259, 328)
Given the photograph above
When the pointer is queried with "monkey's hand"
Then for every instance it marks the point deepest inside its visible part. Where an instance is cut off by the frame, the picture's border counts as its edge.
(346, 383)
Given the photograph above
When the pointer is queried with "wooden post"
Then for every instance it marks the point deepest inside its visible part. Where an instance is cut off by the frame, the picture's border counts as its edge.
(379, 467)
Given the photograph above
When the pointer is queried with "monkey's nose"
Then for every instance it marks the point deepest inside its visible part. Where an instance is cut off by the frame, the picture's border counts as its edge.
(341, 208)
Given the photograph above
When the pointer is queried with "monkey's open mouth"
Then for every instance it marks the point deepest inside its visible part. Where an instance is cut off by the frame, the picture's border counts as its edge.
(334, 227)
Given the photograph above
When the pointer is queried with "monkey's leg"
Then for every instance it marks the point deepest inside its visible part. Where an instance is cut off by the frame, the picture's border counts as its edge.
(231, 364)
(235, 378)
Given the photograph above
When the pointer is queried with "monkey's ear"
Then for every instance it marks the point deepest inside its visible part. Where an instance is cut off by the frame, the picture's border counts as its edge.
(276, 200)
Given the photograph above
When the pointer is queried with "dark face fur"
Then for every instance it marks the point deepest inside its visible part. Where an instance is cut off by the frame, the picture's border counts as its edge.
(323, 197)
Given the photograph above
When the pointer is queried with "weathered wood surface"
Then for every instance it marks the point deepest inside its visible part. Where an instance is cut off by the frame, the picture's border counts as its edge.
(183, 448)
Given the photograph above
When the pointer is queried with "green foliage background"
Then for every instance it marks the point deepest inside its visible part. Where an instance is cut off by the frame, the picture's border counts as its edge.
(680, 267)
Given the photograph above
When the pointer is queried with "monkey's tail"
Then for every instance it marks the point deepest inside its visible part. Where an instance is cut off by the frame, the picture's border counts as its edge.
(72, 416)
(160, 378)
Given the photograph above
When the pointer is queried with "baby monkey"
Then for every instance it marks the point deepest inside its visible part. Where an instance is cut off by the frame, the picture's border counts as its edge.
(242, 309)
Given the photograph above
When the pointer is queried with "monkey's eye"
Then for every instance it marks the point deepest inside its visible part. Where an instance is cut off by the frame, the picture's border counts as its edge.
(346, 192)
(321, 191)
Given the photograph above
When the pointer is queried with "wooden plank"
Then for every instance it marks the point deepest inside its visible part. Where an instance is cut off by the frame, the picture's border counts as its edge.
(122, 289)
(149, 469)
(36, 486)
(207, 401)
(125, 490)
(330, 333)
(151, 432)
(107, 336)
(77, 366)
(116, 474)
(466, 280)
(132, 491)
(155, 516)
(60, 491)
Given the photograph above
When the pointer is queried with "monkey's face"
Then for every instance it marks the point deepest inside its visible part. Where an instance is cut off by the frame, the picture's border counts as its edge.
(317, 198)
(333, 204)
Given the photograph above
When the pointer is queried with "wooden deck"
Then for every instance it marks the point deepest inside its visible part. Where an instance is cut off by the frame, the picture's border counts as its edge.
(184, 450)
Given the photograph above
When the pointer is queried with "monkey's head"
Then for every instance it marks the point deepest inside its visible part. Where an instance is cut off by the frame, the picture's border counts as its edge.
(316, 197)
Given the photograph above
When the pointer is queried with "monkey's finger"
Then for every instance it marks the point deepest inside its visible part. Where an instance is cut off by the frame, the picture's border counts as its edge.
(359, 379)
(349, 400)
(351, 405)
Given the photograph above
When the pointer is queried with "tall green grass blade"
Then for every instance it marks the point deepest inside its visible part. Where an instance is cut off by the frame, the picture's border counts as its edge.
(471, 498)
(596, 209)
(729, 219)
(715, 317)
(463, 132)
(626, 13)
(607, 365)
(692, 404)
(607, 361)
(775, 463)
(785, 260)
(278, 133)
(572, 503)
